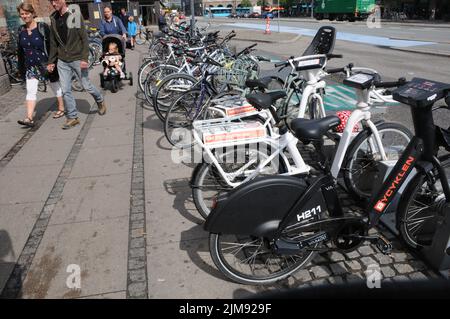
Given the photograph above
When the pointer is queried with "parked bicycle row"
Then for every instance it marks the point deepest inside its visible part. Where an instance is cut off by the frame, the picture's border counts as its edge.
(268, 210)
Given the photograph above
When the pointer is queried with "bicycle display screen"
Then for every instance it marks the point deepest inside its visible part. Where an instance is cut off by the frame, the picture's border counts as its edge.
(420, 92)
(359, 81)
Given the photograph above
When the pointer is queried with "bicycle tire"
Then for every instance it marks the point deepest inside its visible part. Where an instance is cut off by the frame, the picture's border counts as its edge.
(146, 67)
(181, 82)
(362, 190)
(416, 193)
(235, 273)
(154, 77)
(180, 116)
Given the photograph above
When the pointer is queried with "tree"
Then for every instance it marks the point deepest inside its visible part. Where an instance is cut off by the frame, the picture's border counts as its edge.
(246, 3)
(260, 3)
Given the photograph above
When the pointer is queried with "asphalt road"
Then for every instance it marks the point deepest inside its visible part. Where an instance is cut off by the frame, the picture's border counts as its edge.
(388, 30)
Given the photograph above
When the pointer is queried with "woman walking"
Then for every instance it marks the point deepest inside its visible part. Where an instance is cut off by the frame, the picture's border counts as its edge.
(32, 51)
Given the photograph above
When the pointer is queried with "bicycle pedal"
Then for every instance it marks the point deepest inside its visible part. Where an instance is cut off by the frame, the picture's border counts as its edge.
(384, 245)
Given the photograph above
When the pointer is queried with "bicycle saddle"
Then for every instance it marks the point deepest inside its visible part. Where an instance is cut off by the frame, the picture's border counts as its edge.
(261, 83)
(306, 129)
(264, 100)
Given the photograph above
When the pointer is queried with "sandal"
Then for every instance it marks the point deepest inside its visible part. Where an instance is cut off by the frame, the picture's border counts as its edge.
(26, 122)
(58, 114)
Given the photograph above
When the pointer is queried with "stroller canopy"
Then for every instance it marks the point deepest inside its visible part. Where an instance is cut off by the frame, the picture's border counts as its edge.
(114, 38)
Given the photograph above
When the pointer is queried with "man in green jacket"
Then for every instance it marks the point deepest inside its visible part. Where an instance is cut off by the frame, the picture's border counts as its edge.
(70, 48)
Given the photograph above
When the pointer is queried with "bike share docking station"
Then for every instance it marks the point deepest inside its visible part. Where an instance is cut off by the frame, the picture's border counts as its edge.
(435, 250)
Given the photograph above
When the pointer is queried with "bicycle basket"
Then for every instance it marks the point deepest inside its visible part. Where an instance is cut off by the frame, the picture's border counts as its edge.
(233, 77)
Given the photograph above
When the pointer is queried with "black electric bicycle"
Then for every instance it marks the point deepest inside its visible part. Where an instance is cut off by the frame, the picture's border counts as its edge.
(267, 229)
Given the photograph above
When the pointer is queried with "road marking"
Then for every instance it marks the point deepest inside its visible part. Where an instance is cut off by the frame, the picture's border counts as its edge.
(345, 36)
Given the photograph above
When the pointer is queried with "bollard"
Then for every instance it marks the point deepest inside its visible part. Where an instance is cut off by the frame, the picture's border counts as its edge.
(267, 26)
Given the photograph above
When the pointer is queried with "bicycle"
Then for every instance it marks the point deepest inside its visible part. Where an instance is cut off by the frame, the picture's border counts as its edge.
(356, 153)
(267, 229)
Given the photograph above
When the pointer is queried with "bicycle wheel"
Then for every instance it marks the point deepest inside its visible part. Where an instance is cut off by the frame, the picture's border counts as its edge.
(141, 38)
(361, 161)
(144, 69)
(76, 85)
(208, 184)
(169, 90)
(252, 260)
(42, 86)
(12, 69)
(180, 116)
(154, 78)
(419, 206)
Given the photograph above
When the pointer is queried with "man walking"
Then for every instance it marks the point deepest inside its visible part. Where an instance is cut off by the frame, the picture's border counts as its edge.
(124, 17)
(69, 47)
(112, 24)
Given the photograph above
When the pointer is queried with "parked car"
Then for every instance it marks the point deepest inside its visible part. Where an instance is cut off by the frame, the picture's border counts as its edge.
(254, 15)
(233, 16)
(266, 15)
(243, 15)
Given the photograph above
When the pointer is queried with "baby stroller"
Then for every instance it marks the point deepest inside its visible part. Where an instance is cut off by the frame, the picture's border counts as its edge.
(111, 78)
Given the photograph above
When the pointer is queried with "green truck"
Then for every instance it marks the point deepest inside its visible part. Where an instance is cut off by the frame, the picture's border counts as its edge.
(341, 10)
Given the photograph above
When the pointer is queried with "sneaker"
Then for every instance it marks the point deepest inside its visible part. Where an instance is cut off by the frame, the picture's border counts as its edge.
(101, 107)
(70, 123)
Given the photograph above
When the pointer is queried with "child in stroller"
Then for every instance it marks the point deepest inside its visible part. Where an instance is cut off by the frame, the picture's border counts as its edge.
(113, 60)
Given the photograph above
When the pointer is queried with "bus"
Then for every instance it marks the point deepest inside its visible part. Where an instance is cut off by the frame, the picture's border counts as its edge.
(225, 12)
(340, 10)
(217, 12)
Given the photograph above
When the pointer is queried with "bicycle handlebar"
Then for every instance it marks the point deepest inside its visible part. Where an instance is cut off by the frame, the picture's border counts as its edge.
(336, 70)
(386, 85)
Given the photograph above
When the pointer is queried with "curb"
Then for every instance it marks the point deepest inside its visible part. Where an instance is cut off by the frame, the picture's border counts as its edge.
(296, 38)
(440, 54)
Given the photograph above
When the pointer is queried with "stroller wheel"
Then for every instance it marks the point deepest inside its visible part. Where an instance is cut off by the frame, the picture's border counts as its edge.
(114, 85)
(130, 77)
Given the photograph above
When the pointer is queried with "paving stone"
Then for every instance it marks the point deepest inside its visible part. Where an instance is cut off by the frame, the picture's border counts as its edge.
(365, 250)
(137, 289)
(354, 278)
(399, 257)
(336, 256)
(353, 265)
(338, 268)
(320, 271)
(418, 265)
(137, 275)
(403, 268)
(336, 280)
(367, 261)
(387, 271)
(418, 276)
(383, 259)
(302, 275)
(353, 254)
(319, 282)
(400, 278)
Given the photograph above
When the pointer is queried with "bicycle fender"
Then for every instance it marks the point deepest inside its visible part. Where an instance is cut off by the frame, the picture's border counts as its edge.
(255, 208)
